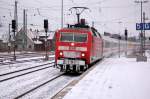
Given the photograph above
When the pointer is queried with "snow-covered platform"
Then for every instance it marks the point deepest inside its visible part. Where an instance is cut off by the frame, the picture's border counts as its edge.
(114, 78)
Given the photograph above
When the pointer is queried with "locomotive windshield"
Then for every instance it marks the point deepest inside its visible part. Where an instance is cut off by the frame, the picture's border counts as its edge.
(73, 37)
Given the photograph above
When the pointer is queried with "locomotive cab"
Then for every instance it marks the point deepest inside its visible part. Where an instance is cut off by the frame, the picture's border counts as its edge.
(77, 47)
(72, 50)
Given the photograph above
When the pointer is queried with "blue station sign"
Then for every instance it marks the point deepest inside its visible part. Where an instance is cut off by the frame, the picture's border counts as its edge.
(142, 26)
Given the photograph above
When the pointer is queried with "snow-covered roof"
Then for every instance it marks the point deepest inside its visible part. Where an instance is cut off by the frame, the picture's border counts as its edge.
(35, 34)
(51, 36)
(3, 33)
(32, 34)
(37, 42)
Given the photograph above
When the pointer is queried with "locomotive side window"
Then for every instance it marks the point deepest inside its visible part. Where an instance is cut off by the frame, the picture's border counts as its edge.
(99, 35)
(94, 33)
(80, 37)
(66, 37)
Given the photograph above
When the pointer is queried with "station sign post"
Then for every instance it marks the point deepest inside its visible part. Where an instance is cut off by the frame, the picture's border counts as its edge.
(142, 27)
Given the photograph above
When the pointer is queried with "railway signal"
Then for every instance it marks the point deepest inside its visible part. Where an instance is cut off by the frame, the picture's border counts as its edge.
(14, 29)
(46, 25)
(46, 29)
(126, 38)
(126, 34)
(119, 38)
(13, 25)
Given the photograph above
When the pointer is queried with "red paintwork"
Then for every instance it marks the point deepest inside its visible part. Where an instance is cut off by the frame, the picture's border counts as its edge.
(93, 44)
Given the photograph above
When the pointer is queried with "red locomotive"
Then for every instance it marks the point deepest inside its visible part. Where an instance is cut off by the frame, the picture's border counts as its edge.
(77, 47)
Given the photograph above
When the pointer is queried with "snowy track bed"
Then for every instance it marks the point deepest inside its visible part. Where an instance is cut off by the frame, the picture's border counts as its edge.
(31, 80)
(20, 85)
(8, 56)
(22, 72)
(23, 60)
(49, 88)
(19, 66)
(30, 93)
(39, 85)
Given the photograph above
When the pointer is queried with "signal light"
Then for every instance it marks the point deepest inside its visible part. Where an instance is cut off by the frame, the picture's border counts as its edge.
(60, 53)
(46, 24)
(72, 44)
(126, 34)
(82, 54)
(14, 24)
(119, 37)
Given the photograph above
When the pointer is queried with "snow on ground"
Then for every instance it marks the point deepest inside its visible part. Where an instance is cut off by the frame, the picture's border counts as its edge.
(19, 85)
(14, 87)
(49, 90)
(31, 58)
(19, 66)
(115, 78)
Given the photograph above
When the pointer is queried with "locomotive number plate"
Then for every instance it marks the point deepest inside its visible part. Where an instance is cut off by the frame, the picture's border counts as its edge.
(71, 48)
(71, 54)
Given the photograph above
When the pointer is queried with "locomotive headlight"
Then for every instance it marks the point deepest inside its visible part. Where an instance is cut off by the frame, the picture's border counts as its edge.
(60, 53)
(82, 54)
(72, 44)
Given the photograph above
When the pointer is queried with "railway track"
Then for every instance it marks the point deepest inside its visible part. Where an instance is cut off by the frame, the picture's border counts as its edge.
(46, 87)
(22, 61)
(7, 57)
(38, 86)
(22, 72)
(17, 61)
(32, 92)
(24, 55)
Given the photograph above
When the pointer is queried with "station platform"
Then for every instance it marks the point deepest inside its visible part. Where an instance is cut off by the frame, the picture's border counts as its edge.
(114, 78)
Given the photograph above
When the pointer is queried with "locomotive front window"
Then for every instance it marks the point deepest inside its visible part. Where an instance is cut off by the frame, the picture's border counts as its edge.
(73, 37)
(67, 37)
(80, 37)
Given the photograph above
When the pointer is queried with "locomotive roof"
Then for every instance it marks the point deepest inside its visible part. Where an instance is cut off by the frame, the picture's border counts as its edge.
(74, 29)
(78, 27)
(81, 29)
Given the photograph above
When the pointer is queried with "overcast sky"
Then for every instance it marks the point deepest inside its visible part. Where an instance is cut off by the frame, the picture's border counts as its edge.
(108, 15)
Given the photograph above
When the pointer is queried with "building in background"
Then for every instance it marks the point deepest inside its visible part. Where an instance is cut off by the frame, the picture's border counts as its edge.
(34, 40)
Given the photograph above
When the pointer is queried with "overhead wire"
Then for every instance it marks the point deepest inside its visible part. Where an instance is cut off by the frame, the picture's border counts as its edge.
(6, 3)
(56, 7)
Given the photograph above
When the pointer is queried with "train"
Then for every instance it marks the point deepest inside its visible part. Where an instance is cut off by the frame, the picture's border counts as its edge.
(79, 46)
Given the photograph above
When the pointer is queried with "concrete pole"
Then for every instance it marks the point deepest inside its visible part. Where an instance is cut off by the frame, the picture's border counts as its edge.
(16, 16)
(62, 13)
